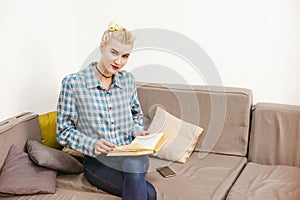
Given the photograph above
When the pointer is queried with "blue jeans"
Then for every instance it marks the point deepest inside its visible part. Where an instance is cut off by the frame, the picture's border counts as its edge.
(120, 176)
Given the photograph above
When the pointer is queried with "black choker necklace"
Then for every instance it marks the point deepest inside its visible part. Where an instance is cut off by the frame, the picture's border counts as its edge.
(102, 74)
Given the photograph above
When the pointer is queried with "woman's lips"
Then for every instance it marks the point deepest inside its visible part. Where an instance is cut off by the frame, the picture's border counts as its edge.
(115, 67)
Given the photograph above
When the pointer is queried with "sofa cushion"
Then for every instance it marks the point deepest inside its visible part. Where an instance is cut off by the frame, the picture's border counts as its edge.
(259, 181)
(47, 123)
(20, 175)
(73, 187)
(199, 178)
(182, 136)
(223, 112)
(279, 125)
(16, 130)
(52, 158)
(77, 182)
(65, 194)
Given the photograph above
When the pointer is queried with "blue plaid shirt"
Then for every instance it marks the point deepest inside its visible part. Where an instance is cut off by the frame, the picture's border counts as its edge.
(87, 111)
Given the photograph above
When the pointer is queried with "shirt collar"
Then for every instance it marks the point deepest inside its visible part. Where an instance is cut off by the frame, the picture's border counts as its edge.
(117, 79)
(92, 80)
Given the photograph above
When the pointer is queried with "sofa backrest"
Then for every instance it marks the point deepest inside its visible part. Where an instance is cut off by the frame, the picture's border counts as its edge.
(275, 135)
(16, 130)
(223, 112)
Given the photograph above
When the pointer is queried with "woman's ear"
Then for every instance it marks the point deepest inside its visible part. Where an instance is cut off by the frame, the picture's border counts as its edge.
(101, 47)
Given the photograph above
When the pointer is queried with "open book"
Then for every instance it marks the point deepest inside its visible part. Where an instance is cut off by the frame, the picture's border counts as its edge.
(141, 145)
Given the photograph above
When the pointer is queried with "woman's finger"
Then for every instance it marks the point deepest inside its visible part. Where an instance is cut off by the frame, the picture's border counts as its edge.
(101, 146)
(98, 149)
(107, 143)
(143, 133)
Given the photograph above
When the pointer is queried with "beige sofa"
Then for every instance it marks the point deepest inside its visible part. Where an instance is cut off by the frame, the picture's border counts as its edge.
(245, 152)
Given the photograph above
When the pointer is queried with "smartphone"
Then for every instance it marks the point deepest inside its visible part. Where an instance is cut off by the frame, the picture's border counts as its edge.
(166, 171)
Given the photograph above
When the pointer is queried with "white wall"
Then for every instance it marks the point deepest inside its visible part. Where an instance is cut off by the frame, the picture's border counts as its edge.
(38, 47)
(253, 44)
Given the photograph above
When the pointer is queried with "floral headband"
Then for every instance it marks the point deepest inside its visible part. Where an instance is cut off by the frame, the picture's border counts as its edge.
(114, 27)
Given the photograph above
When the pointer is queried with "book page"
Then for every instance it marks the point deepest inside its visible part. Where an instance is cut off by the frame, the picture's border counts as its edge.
(131, 147)
(148, 141)
(141, 145)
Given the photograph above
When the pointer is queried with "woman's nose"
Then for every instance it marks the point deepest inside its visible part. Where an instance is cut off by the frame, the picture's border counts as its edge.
(118, 60)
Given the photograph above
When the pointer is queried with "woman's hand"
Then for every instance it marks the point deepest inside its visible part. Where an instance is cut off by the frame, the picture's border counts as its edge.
(143, 133)
(103, 146)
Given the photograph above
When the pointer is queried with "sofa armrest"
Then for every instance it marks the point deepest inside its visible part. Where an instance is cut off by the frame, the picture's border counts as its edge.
(16, 130)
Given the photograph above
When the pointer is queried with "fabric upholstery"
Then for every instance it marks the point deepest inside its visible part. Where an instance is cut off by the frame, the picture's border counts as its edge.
(65, 194)
(78, 183)
(199, 178)
(147, 122)
(275, 135)
(182, 136)
(19, 175)
(223, 112)
(263, 182)
(16, 130)
(52, 158)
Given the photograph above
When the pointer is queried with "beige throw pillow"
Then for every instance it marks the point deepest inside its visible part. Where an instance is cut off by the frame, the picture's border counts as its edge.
(182, 136)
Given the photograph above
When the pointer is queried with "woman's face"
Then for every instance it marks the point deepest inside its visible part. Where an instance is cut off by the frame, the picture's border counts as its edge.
(114, 55)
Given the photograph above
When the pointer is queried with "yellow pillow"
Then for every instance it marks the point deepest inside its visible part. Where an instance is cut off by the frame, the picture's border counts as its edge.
(48, 130)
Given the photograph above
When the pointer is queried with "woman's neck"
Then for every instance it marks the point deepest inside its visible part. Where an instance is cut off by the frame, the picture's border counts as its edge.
(101, 72)
(104, 80)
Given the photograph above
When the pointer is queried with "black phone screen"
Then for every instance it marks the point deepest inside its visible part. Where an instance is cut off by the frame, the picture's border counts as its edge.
(166, 171)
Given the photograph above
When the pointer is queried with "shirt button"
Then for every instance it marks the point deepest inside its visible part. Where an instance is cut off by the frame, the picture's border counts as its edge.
(112, 122)
(110, 108)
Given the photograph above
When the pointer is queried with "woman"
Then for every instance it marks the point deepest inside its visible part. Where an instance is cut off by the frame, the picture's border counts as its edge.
(98, 109)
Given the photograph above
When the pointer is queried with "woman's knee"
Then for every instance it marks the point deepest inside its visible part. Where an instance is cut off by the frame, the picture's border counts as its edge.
(136, 164)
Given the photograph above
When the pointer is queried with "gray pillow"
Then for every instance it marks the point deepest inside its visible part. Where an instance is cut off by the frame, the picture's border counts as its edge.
(52, 158)
(21, 176)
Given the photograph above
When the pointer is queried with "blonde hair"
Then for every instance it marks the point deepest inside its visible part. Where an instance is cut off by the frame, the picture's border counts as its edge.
(117, 32)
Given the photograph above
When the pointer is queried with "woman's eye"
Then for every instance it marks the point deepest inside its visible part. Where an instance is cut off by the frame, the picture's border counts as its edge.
(113, 53)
